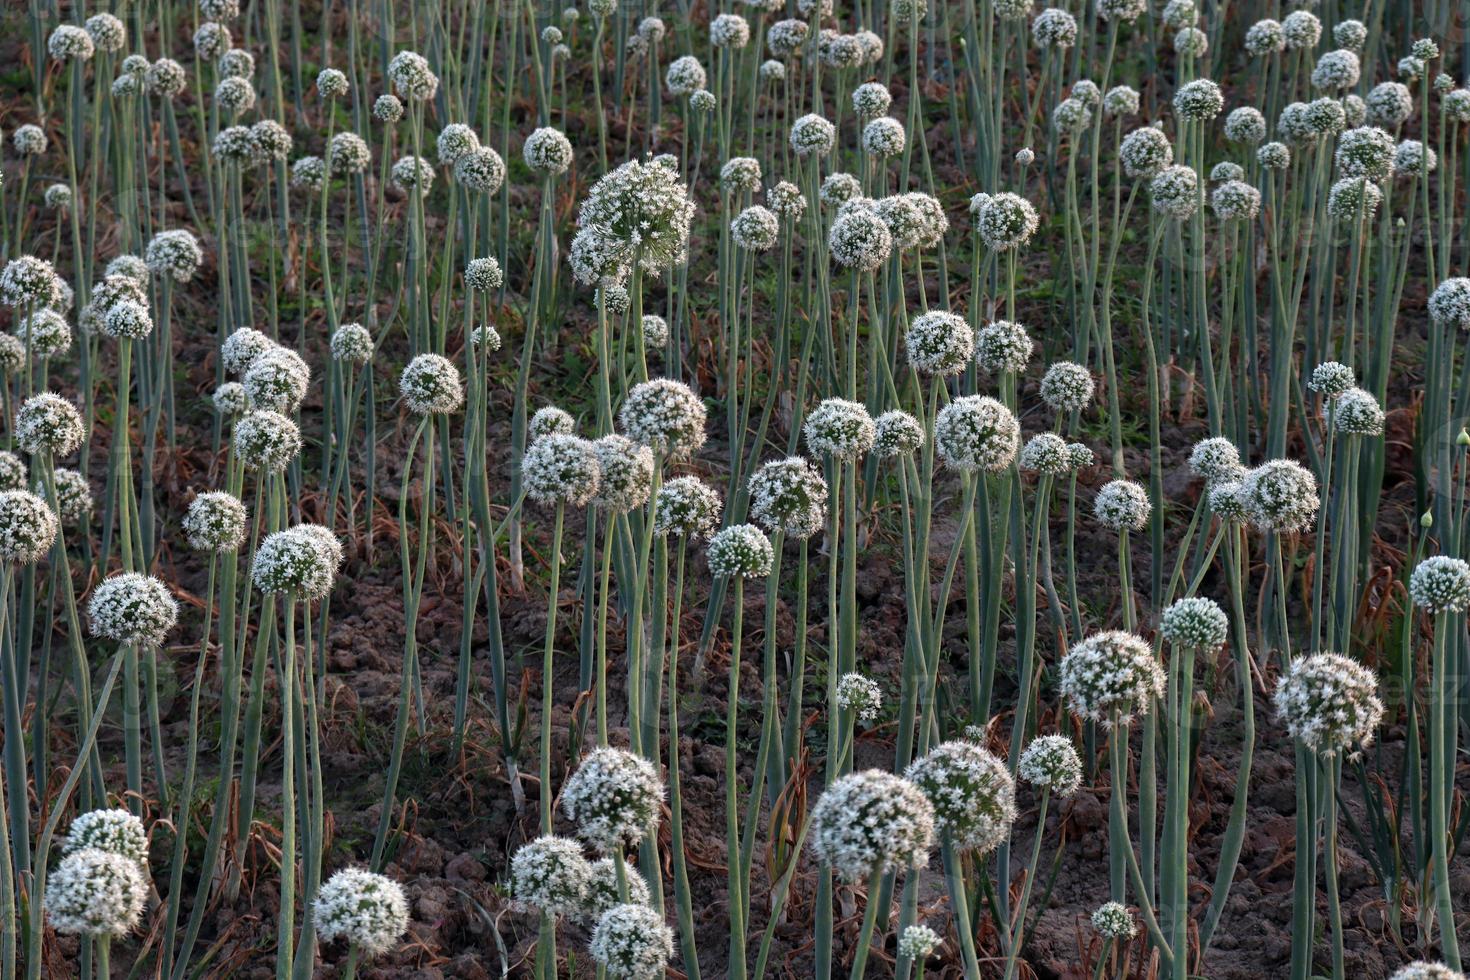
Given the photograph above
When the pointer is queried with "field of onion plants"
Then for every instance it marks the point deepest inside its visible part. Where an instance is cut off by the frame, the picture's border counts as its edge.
(734, 489)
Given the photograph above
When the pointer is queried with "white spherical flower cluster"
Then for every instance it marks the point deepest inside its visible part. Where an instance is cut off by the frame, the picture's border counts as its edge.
(1280, 495)
(1329, 703)
(331, 83)
(114, 831)
(740, 551)
(483, 274)
(1070, 116)
(972, 792)
(1367, 152)
(687, 507)
(174, 253)
(560, 469)
(1111, 676)
(614, 798)
(46, 333)
(1235, 200)
(1145, 152)
(480, 171)
(29, 281)
(73, 496)
(266, 441)
(685, 75)
(233, 95)
(871, 99)
(1356, 412)
(1333, 378)
(308, 174)
(1054, 28)
(1122, 505)
(12, 472)
(411, 76)
(1067, 387)
(1112, 920)
(233, 144)
(655, 331)
(271, 140)
(1179, 13)
(92, 892)
(215, 521)
(131, 607)
(860, 239)
(1121, 100)
(166, 78)
(58, 197)
(241, 349)
(27, 527)
(1215, 459)
(1195, 622)
(1007, 221)
(367, 910)
(1350, 34)
(1046, 454)
(550, 874)
(632, 942)
(1301, 29)
(666, 416)
(1449, 304)
(788, 495)
(1411, 158)
(839, 188)
(640, 211)
(412, 173)
(918, 942)
(884, 137)
(69, 42)
(1389, 104)
(1191, 42)
(301, 561)
(1336, 71)
(352, 343)
(871, 820)
(1424, 970)
(625, 474)
(107, 32)
(976, 432)
(387, 108)
(547, 152)
(1174, 191)
(431, 385)
(550, 420)
(896, 433)
(1050, 762)
(229, 399)
(1441, 584)
(1003, 346)
(754, 229)
(786, 200)
(48, 423)
(729, 31)
(348, 154)
(839, 428)
(1456, 105)
(939, 342)
(785, 37)
(277, 380)
(860, 696)
(212, 40)
(1245, 125)
(604, 891)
